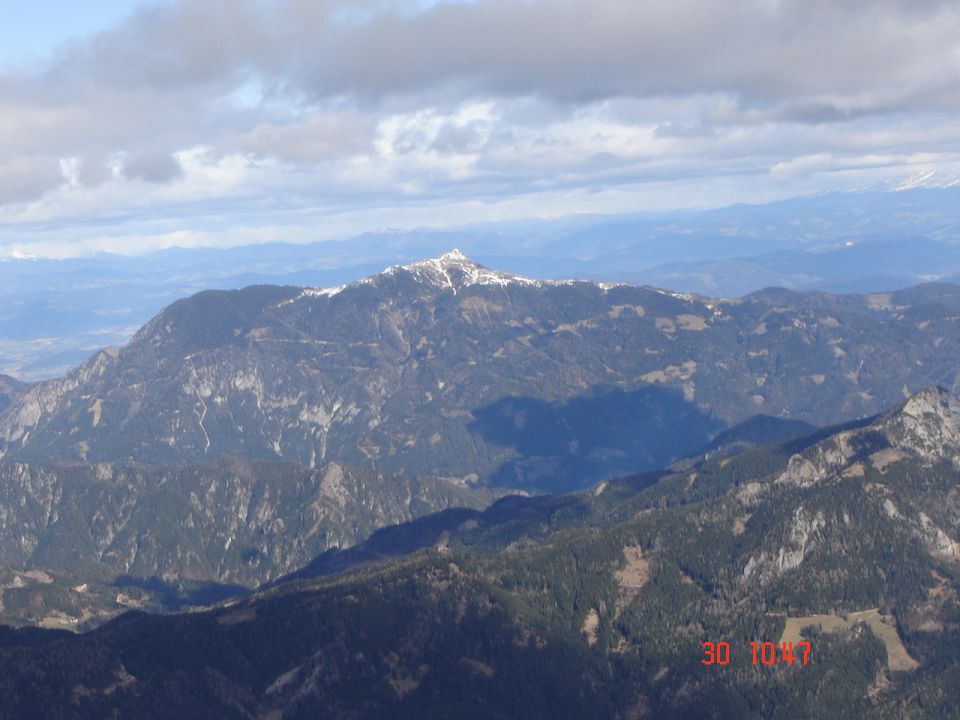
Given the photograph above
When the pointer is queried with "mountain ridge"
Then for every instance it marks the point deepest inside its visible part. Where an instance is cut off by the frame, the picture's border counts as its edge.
(593, 602)
(435, 368)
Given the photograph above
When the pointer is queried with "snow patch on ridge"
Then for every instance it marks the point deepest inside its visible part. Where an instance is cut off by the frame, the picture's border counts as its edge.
(311, 292)
(322, 292)
(929, 179)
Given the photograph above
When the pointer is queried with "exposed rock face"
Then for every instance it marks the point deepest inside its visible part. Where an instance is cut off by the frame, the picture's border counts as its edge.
(925, 427)
(921, 432)
(444, 367)
(803, 534)
(927, 424)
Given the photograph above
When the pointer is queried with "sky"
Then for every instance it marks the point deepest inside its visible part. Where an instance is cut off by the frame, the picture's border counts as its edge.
(129, 127)
(32, 30)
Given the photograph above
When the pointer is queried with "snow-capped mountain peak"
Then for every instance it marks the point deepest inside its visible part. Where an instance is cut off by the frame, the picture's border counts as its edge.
(454, 270)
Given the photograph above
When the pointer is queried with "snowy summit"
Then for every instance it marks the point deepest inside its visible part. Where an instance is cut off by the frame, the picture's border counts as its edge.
(456, 271)
(452, 270)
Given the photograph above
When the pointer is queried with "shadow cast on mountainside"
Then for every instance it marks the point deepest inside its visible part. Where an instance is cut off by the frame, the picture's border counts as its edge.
(507, 520)
(388, 542)
(184, 593)
(604, 432)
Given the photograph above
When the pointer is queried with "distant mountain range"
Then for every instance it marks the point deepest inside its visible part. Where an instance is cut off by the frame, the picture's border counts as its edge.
(56, 313)
(595, 604)
(448, 369)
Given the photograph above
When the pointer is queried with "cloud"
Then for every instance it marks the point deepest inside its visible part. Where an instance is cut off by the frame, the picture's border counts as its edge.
(200, 107)
(93, 170)
(460, 139)
(863, 54)
(23, 179)
(152, 167)
(317, 137)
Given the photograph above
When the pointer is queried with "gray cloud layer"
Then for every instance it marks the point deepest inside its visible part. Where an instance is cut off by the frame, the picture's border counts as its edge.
(863, 55)
(377, 102)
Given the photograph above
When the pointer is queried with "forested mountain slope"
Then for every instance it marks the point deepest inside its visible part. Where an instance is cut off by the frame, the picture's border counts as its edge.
(594, 604)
